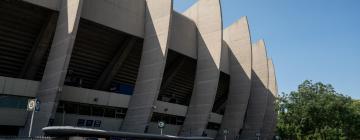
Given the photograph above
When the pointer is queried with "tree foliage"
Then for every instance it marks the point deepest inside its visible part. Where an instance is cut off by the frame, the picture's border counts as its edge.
(316, 111)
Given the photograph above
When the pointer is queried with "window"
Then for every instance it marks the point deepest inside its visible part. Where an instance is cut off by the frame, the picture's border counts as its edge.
(109, 112)
(167, 118)
(97, 111)
(80, 122)
(84, 109)
(213, 126)
(120, 113)
(91, 110)
(11, 101)
(180, 120)
(71, 108)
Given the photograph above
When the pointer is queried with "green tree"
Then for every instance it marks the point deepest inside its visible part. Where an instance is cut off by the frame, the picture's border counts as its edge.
(317, 112)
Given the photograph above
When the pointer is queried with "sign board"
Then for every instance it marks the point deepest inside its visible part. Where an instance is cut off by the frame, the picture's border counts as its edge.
(161, 124)
(226, 131)
(31, 104)
(89, 123)
(80, 122)
(97, 123)
(37, 105)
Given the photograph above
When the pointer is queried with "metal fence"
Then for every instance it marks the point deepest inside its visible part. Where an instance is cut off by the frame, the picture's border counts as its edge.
(26, 138)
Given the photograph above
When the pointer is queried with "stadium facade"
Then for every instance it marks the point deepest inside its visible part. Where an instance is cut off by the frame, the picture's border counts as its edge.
(124, 65)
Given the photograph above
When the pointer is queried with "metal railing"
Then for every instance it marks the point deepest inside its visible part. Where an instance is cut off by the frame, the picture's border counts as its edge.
(26, 138)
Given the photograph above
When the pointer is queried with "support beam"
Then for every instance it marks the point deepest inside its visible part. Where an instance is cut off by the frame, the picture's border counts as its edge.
(173, 69)
(206, 14)
(259, 93)
(103, 83)
(38, 51)
(56, 66)
(237, 38)
(158, 15)
(270, 115)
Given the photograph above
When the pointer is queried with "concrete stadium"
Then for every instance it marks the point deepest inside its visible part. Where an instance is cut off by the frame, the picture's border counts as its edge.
(125, 65)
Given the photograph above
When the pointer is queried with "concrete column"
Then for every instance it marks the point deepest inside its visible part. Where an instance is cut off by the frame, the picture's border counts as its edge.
(57, 64)
(158, 15)
(207, 16)
(237, 38)
(270, 115)
(259, 93)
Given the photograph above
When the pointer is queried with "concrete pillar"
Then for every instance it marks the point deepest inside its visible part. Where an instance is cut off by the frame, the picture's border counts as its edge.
(57, 64)
(259, 93)
(270, 115)
(157, 24)
(207, 16)
(237, 38)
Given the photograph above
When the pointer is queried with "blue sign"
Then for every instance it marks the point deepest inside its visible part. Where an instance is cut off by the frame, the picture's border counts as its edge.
(89, 122)
(80, 122)
(37, 106)
(97, 123)
(122, 89)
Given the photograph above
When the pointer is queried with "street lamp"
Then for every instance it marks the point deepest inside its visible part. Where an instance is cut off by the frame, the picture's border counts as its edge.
(161, 125)
(226, 132)
(33, 106)
(258, 135)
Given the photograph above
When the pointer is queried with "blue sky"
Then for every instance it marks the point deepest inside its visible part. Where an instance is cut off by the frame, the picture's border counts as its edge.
(317, 40)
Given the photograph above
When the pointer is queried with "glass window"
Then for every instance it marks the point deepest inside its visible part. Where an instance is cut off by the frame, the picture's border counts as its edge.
(11, 101)
(80, 122)
(120, 113)
(109, 112)
(22, 102)
(97, 111)
(180, 120)
(71, 108)
(172, 119)
(91, 110)
(213, 126)
(84, 109)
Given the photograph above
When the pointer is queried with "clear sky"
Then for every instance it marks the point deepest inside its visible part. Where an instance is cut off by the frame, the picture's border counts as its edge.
(317, 40)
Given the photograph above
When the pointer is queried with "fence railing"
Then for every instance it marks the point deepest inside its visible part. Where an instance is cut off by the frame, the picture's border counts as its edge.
(26, 138)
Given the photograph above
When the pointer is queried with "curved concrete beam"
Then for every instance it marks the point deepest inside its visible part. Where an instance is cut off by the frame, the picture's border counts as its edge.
(259, 92)
(207, 16)
(270, 115)
(183, 35)
(157, 29)
(56, 66)
(237, 37)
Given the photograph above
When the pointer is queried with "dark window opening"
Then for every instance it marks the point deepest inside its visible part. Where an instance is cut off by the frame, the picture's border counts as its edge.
(91, 110)
(26, 33)
(213, 126)
(221, 94)
(6, 130)
(104, 59)
(178, 79)
(12, 101)
(167, 118)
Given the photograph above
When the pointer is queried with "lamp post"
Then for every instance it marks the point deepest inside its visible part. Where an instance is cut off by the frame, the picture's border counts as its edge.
(33, 106)
(161, 125)
(226, 132)
(258, 135)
